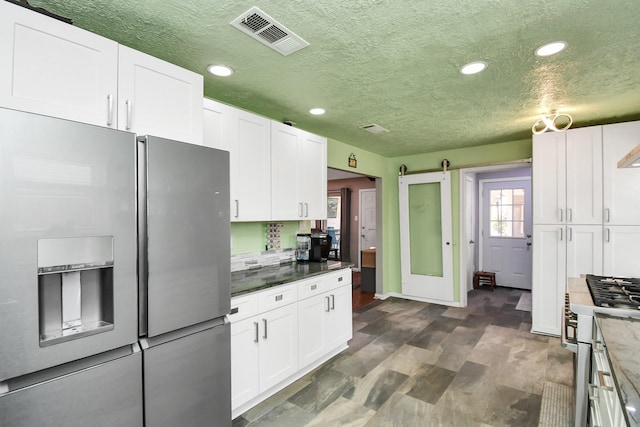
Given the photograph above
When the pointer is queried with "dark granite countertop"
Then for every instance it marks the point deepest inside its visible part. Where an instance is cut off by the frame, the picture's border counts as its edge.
(622, 339)
(246, 281)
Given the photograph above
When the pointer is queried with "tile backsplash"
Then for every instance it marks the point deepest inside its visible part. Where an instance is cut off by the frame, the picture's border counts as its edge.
(253, 260)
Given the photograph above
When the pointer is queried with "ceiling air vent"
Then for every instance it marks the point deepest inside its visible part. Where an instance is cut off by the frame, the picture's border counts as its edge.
(267, 30)
(374, 128)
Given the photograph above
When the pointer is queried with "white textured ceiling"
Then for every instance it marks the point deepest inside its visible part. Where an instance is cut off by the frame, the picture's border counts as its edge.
(396, 63)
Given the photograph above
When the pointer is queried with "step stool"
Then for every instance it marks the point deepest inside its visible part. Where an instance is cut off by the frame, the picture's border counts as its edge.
(484, 278)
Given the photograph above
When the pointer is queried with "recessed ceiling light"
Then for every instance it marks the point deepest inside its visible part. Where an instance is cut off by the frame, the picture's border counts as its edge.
(473, 67)
(317, 111)
(220, 70)
(551, 48)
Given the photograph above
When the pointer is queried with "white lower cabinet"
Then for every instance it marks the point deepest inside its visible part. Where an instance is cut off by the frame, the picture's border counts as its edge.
(549, 273)
(280, 334)
(620, 250)
(324, 318)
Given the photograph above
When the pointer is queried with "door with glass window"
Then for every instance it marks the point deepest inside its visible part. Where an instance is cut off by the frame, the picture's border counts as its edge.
(426, 236)
(506, 231)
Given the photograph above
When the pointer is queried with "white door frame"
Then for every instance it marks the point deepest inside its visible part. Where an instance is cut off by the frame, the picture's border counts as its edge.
(464, 233)
(360, 192)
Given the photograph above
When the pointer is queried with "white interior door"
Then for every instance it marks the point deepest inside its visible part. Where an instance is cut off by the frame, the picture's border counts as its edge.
(426, 236)
(367, 219)
(506, 231)
(470, 229)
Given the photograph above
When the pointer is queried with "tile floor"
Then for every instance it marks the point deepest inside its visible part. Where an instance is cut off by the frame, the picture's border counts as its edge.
(419, 364)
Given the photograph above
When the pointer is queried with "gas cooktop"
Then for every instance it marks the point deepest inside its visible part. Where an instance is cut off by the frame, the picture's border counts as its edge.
(614, 292)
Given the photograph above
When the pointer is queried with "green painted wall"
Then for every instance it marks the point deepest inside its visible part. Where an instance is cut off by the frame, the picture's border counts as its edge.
(251, 237)
(247, 237)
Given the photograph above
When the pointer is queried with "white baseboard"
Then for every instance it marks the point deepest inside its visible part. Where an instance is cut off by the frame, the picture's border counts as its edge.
(414, 298)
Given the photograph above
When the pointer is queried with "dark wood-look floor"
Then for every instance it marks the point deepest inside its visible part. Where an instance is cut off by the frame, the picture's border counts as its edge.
(358, 298)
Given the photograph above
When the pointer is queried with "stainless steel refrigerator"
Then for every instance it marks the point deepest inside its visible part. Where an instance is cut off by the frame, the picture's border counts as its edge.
(184, 245)
(114, 256)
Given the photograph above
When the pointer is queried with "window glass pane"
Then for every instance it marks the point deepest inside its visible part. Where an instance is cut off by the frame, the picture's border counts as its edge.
(425, 225)
(518, 229)
(493, 213)
(518, 196)
(495, 196)
(507, 197)
(506, 213)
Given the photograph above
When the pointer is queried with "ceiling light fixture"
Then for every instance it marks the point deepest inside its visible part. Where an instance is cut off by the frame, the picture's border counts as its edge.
(548, 122)
(551, 48)
(317, 111)
(220, 70)
(473, 67)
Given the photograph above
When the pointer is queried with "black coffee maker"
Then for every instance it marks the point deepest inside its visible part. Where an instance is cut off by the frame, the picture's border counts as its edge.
(319, 249)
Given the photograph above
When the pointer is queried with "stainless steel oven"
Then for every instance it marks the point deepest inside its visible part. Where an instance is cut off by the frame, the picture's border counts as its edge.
(585, 297)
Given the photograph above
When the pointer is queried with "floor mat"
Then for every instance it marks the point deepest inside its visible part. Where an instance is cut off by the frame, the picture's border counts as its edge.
(524, 303)
(557, 406)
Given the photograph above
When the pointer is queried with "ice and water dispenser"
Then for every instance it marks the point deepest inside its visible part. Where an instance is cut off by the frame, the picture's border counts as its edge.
(75, 288)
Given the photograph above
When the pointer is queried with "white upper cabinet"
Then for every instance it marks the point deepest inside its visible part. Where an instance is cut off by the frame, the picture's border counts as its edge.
(215, 125)
(567, 173)
(299, 174)
(584, 175)
(621, 186)
(250, 161)
(286, 151)
(314, 175)
(549, 178)
(158, 98)
(55, 69)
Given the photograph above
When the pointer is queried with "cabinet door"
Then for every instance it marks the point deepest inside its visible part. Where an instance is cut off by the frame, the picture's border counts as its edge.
(339, 321)
(584, 250)
(52, 68)
(549, 272)
(312, 328)
(314, 176)
(621, 251)
(549, 178)
(158, 98)
(278, 345)
(216, 125)
(287, 172)
(584, 175)
(245, 361)
(250, 161)
(621, 186)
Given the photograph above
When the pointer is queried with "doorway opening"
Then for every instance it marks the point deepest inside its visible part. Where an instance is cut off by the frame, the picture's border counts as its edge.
(353, 216)
(476, 250)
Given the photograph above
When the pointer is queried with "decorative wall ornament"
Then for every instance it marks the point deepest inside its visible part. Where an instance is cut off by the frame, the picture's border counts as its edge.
(548, 122)
(353, 163)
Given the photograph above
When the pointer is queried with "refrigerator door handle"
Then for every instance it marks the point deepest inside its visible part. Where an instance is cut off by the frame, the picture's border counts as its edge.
(265, 328)
(143, 269)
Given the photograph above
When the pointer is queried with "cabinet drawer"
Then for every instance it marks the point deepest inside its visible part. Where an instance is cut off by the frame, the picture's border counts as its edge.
(277, 297)
(339, 278)
(243, 307)
(310, 287)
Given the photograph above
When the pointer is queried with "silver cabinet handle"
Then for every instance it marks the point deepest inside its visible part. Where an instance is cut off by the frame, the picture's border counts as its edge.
(300, 207)
(607, 215)
(333, 302)
(264, 321)
(237, 203)
(560, 215)
(328, 304)
(608, 237)
(561, 235)
(306, 207)
(570, 234)
(109, 110)
(569, 215)
(257, 333)
(129, 104)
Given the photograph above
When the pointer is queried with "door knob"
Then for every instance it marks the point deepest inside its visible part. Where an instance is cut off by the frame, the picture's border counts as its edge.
(528, 243)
